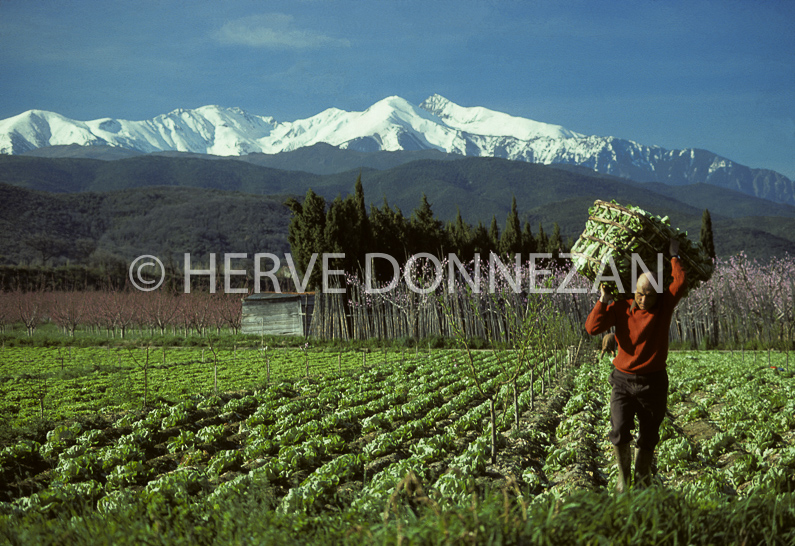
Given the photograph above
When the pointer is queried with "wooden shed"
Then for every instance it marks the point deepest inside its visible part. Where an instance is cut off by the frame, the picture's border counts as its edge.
(278, 314)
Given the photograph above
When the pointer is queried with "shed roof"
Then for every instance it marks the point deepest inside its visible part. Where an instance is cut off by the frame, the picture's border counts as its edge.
(276, 296)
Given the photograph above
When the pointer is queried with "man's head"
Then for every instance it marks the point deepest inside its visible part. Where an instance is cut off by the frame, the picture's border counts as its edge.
(645, 294)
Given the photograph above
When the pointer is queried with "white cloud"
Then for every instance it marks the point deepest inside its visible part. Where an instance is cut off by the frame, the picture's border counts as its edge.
(274, 30)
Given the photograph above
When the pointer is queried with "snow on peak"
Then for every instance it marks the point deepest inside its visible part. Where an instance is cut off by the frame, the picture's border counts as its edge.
(435, 103)
(391, 124)
(39, 128)
(482, 121)
(208, 129)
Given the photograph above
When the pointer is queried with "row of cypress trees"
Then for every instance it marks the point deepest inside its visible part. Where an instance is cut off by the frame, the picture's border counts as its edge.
(345, 227)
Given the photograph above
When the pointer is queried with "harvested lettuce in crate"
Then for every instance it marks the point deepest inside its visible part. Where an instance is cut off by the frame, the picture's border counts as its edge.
(617, 231)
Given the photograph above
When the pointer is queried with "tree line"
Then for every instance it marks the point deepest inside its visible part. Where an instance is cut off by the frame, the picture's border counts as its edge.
(345, 226)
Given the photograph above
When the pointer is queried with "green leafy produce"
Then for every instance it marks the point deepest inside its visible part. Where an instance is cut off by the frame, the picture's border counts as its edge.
(301, 471)
(132, 473)
(616, 233)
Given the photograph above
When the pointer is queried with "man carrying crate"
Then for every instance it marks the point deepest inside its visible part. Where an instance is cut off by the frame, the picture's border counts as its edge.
(639, 380)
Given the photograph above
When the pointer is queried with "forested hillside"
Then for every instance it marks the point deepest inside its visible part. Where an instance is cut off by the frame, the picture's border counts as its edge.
(91, 211)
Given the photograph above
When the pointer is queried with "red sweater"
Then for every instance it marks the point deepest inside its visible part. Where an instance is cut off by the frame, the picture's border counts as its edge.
(642, 336)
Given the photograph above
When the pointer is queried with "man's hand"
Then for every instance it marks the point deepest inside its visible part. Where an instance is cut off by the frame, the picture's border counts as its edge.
(605, 297)
(673, 247)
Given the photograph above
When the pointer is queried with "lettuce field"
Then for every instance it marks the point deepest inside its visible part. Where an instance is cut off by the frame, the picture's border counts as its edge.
(293, 446)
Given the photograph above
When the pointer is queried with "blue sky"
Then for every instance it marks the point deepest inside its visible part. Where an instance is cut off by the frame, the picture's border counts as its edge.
(718, 75)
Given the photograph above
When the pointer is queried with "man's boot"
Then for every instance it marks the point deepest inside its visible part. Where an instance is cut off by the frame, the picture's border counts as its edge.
(643, 461)
(624, 460)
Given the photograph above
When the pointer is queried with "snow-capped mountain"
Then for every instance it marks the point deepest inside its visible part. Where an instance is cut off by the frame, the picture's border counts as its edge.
(209, 130)
(394, 124)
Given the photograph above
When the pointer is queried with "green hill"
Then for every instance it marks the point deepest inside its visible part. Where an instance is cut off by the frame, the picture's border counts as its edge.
(80, 209)
(113, 227)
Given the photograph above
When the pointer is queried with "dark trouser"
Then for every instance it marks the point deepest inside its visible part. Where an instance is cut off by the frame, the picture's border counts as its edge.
(643, 395)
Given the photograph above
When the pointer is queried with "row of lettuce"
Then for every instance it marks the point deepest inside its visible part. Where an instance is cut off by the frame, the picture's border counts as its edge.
(286, 428)
(64, 383)
(330, 431)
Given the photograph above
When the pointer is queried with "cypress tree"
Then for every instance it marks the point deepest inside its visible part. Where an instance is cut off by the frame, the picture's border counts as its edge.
(351, 233)
(449, 235)
(426, 230)
(381, 226)
(388, 237)
(528, 240)
(481, 242)
(555, 244)
(542, 242)
(361, 223)
(706, 234)
(358, 198)
(511, 240)
(340, 237)
(334, 234)
(460, 234)
(399, 227)
(306, 233)
(494, 235)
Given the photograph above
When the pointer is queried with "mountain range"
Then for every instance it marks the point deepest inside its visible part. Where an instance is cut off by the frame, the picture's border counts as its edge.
(437, 127)
(170, 203)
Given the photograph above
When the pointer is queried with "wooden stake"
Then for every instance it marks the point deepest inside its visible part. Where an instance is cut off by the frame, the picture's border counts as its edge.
(493, 432)
(515, 406)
